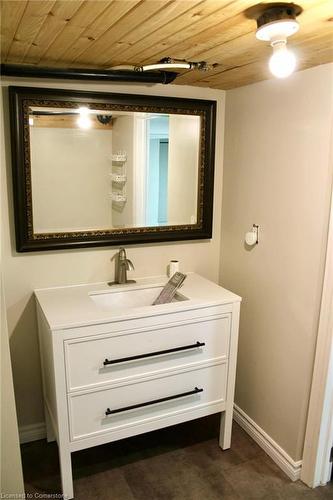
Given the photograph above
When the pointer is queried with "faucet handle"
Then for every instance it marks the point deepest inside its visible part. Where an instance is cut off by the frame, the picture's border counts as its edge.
(130, 265)
(121, 254)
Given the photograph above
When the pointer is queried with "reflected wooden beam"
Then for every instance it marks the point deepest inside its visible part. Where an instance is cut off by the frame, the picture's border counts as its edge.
(66, 121)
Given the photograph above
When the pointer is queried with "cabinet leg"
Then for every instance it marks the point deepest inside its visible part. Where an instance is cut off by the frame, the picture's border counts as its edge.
(50, 435)
(225, 429)
(66, 474)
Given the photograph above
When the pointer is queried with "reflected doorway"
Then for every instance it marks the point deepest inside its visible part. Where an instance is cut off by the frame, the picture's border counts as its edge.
(157, 170)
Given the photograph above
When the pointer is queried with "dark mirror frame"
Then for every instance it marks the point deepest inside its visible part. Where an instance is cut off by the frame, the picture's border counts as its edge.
(27, 241)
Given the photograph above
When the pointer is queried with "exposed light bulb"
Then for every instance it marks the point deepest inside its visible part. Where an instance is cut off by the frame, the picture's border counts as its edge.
(283, 62)
(275, 24)
(84, 120)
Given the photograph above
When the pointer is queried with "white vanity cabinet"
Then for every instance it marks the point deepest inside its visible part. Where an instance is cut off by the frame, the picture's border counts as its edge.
(113, 372)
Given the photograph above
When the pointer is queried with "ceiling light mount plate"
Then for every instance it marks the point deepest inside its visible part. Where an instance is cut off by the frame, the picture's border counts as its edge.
(277, 21)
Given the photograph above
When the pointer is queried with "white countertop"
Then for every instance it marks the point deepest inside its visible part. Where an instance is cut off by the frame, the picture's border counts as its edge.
(72, 306)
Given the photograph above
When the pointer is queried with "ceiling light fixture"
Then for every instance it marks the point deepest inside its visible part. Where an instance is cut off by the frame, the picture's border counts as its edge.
(275, 25)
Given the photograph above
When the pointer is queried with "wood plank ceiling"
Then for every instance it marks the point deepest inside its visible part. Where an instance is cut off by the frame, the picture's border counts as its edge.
(101, 33)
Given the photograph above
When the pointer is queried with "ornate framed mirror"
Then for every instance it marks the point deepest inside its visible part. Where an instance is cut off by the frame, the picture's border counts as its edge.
(95, 169)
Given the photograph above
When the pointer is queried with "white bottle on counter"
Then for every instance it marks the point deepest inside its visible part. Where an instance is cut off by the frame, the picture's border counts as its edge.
(173, 267)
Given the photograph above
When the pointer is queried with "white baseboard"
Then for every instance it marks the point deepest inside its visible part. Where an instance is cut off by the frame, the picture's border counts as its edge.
(280, 457)
(32, 432)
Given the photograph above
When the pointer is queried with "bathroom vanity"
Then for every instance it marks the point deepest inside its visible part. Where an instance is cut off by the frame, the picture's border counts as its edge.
(115, 366)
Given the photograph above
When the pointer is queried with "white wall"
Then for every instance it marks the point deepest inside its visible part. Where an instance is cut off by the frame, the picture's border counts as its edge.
(70, 179)
(277, 174)
(24, 272)
(11, 479)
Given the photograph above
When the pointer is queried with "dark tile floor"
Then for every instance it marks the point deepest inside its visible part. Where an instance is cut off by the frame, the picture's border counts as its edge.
(178, 463)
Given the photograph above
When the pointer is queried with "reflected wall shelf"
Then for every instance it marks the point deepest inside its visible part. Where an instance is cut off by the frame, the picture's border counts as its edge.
(119, 177)
(118, 197)
(119, 157)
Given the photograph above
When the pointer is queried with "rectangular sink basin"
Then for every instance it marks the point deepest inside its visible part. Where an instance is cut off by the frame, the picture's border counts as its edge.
(131, 298)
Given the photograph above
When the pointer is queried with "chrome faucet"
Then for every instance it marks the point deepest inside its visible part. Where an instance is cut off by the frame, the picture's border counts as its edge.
(123, 264)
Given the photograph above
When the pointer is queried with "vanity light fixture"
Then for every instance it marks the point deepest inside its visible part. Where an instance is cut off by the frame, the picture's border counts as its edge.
(166, 63)
(275, 24)
(169, 63)
(160, 72)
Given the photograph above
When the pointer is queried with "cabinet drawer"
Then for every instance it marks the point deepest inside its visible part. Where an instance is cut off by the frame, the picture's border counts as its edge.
(95, 360)
(111, 410)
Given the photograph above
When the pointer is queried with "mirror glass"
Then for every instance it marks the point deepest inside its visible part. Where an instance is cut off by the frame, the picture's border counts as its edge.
(99, 169)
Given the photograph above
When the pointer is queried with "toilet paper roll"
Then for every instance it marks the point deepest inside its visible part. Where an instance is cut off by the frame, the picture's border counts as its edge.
(173, 267)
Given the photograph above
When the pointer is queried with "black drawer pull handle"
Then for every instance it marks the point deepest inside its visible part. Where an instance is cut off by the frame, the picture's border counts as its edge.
(196, 390)
(150, 354)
